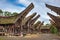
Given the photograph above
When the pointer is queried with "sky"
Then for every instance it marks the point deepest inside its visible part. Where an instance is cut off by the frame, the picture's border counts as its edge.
(39, 7)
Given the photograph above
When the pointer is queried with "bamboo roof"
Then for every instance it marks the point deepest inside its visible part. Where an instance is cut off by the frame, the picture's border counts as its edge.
(52, 22)
(8, 20)
(45, 27)
(40, 25)
(34, 20)
(55, 19)
(54, 8)
(28, 18)
(36, 24)
(13, 19)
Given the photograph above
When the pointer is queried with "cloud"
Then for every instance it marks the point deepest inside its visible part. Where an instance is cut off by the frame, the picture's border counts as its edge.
(15, 3)
(39, 7)
(4, 5)
(24, 2)
(53, 2)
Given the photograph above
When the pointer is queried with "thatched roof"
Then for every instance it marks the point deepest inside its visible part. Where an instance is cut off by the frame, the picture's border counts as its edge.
(7, 20)
(37, 23)
(55, 19)
(54, 8)
(13, 19)
(52, 22)
(28, 18)
(45, 27)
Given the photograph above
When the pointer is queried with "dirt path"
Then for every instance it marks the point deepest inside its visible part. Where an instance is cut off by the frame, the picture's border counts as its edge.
(34, 37)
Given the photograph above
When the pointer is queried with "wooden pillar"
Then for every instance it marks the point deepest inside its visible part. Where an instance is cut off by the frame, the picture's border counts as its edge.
(21, 30)
(28, 28)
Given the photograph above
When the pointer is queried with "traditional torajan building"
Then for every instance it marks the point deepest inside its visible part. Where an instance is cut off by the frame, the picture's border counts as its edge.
(52, 22)
(54, 8)
(31, 23)
(19, 24)
(36, 24)
(45, 29)
(37, 28)
(2, 31)
(13, 24)
(55, 19)
(25, 22)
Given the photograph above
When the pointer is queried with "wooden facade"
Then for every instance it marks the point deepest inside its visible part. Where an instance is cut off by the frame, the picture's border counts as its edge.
(25, 22)
(55, 19)
(31, 23)
(39, 26)
(13, 24)
(19, 24)
(45, 29)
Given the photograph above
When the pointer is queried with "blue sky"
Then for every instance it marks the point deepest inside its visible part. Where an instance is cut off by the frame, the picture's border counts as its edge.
(39, 7)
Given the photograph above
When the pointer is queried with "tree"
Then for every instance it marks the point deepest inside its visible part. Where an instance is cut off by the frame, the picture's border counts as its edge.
(1, 12)
(14, 13)
(47, 25)
(6, 13)
(9, 14)
(53, 29)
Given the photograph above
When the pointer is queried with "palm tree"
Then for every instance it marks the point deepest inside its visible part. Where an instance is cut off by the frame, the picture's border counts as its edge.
(1, 12)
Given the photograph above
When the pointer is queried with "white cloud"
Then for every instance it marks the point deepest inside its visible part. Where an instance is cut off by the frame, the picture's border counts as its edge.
(53, 2)
(39, 7)
(9, 7)
(25, 2)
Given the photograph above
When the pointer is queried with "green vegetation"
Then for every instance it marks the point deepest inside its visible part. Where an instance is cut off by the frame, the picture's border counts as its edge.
(7, 20)
(15, 13)
(1, 12)
(53, 29)
(6, 13)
